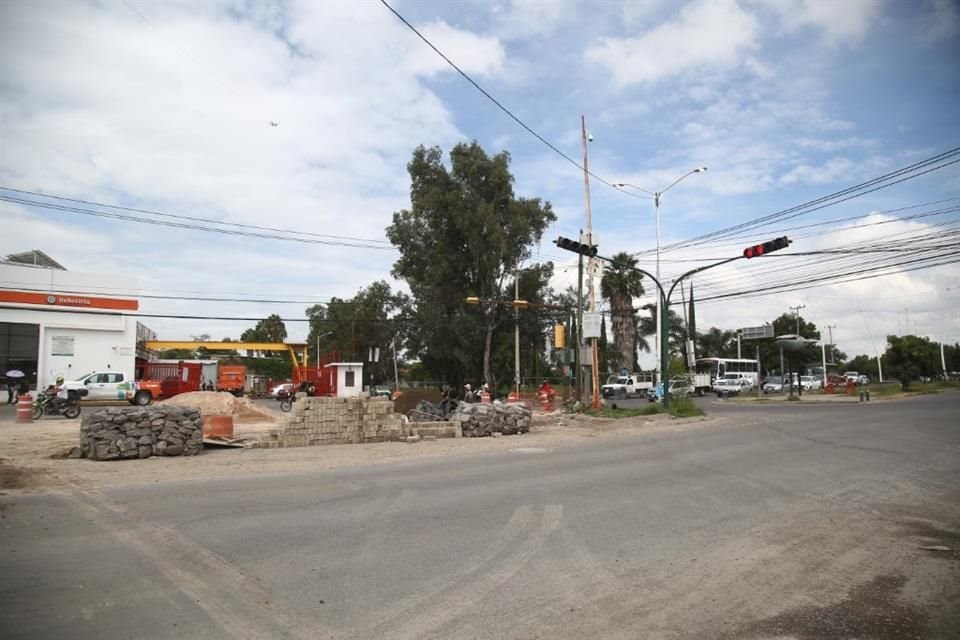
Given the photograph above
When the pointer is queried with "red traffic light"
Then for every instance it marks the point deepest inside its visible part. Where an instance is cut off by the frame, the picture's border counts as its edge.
(773, 245)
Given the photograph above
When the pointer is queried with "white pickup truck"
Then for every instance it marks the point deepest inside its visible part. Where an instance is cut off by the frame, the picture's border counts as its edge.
(106, 385)
(625, 387)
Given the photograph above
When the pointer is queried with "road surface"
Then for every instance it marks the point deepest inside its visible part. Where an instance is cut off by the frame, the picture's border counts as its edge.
(777, 521)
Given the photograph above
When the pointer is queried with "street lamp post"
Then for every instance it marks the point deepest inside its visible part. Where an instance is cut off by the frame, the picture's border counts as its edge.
(656, 202)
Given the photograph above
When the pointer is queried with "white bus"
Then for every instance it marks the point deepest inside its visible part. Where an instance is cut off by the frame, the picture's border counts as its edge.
(708, 370)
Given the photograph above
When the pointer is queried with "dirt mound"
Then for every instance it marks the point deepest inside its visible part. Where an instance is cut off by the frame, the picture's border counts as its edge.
(220, 403)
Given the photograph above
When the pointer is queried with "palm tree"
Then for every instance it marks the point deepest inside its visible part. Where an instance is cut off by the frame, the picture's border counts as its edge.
(648, 326)
(620, 284)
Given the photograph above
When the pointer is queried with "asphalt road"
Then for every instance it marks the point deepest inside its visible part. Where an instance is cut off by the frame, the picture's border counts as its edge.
(777, 520)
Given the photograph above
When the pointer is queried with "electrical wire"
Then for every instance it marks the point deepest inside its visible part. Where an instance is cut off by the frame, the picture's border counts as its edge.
(502, 108)
(181, 225)
(923, 167)
(189, 218)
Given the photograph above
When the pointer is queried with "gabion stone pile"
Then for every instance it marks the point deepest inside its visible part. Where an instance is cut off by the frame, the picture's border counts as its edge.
(481, 419)
(119, 433)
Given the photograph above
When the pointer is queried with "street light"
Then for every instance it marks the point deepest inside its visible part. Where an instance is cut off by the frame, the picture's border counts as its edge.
(656, 201)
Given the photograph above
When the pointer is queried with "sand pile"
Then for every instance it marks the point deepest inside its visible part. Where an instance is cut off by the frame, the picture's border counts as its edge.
(221, 403)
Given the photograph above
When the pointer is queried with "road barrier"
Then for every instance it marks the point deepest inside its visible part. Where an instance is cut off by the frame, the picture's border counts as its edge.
(25, 408)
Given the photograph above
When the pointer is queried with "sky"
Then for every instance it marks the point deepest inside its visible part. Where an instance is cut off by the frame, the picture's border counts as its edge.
(302, 116)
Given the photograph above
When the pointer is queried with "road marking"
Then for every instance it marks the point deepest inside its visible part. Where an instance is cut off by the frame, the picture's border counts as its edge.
(530, 450)
(236, 603)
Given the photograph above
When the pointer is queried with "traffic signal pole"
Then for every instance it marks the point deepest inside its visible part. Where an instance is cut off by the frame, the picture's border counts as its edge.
(664, 306)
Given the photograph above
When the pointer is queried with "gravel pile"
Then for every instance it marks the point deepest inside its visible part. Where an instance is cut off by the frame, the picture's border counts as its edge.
(221, 403)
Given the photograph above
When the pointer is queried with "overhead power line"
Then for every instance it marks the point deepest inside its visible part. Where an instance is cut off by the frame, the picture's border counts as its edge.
(500, 105)
(933, 163)
(189, 218)
(183, 225)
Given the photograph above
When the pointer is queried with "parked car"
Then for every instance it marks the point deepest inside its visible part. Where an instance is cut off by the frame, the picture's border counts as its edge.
(281, 390)
(773, 384)
(852, 376)
(811, 383)
(732, 385)
(681, 388)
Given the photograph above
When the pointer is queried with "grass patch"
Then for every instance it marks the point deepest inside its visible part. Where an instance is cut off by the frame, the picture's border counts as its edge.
(679, 408)
(684, 408)
(621, 412)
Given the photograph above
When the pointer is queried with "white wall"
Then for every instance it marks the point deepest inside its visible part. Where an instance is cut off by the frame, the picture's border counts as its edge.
(101, 341)
(343, 391)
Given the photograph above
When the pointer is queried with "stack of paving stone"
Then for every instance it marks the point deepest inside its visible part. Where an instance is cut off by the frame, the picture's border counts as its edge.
(483, 419)
(140, 432)
(321, 420)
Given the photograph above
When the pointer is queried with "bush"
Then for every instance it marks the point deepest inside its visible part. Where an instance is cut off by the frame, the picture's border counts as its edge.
(684, 408)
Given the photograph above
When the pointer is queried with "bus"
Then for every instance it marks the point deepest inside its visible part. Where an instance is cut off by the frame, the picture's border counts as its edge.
(709, 369)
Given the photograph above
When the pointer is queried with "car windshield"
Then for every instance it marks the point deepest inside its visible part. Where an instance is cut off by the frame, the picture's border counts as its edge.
(775, 380)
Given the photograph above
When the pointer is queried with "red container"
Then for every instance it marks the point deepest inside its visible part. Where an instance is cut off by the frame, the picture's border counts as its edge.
(217, 426)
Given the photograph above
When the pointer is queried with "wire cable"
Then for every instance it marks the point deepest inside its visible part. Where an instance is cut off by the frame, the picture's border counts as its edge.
(500, 105)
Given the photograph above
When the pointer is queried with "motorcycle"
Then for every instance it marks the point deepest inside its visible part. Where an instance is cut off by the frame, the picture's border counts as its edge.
(286, 398)
(50, 405)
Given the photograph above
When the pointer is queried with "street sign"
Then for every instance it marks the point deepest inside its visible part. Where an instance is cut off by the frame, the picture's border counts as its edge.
(756, 333)
(591, 325)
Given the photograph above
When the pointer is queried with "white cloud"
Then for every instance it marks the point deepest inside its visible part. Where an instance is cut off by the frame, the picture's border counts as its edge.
(835, 169)
(475, 54)
(706, 35)
(840, 22)
(522, 19)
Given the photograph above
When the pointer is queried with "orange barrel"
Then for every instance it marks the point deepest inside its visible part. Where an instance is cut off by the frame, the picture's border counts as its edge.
(484, 396)
(25, 408)
(218, 426)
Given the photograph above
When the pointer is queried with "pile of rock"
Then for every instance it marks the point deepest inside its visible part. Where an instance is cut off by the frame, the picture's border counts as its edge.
(427, 411)
(140, 432)
(481, 419)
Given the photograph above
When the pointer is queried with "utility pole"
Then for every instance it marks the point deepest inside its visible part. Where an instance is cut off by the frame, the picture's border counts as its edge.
(796, 311)
(830, 328)
(591, 266)
(516, 332)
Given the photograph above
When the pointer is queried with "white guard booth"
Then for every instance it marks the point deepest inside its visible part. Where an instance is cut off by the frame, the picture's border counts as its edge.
(349, 378)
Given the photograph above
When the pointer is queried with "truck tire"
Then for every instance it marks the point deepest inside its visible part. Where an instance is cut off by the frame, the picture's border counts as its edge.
(142, 398)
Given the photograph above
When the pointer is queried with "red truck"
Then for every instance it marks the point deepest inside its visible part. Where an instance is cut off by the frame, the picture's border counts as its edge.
(232, 378)
(157, 380)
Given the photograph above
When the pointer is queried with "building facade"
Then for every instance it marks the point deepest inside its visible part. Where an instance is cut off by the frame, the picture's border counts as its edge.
(53, 322)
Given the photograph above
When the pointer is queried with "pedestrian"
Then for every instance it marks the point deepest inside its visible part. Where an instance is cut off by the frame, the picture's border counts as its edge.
(11, 389)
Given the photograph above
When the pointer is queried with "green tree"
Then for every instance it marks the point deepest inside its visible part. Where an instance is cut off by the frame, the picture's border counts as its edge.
(648, 327)
(370, 321)
(620, 284)
(465, 234)
(717, 343)
(912, 357)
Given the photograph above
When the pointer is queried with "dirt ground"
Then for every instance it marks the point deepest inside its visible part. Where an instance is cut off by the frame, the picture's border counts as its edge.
(33, 455)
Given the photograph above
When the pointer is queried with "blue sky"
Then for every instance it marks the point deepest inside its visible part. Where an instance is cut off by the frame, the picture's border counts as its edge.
(167, 107)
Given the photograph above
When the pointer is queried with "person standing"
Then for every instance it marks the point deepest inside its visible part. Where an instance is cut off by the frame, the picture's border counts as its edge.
(11, 389)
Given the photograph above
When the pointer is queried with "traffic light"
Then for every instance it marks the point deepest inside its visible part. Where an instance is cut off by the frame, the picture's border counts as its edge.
(762, 249)
(577, 247)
